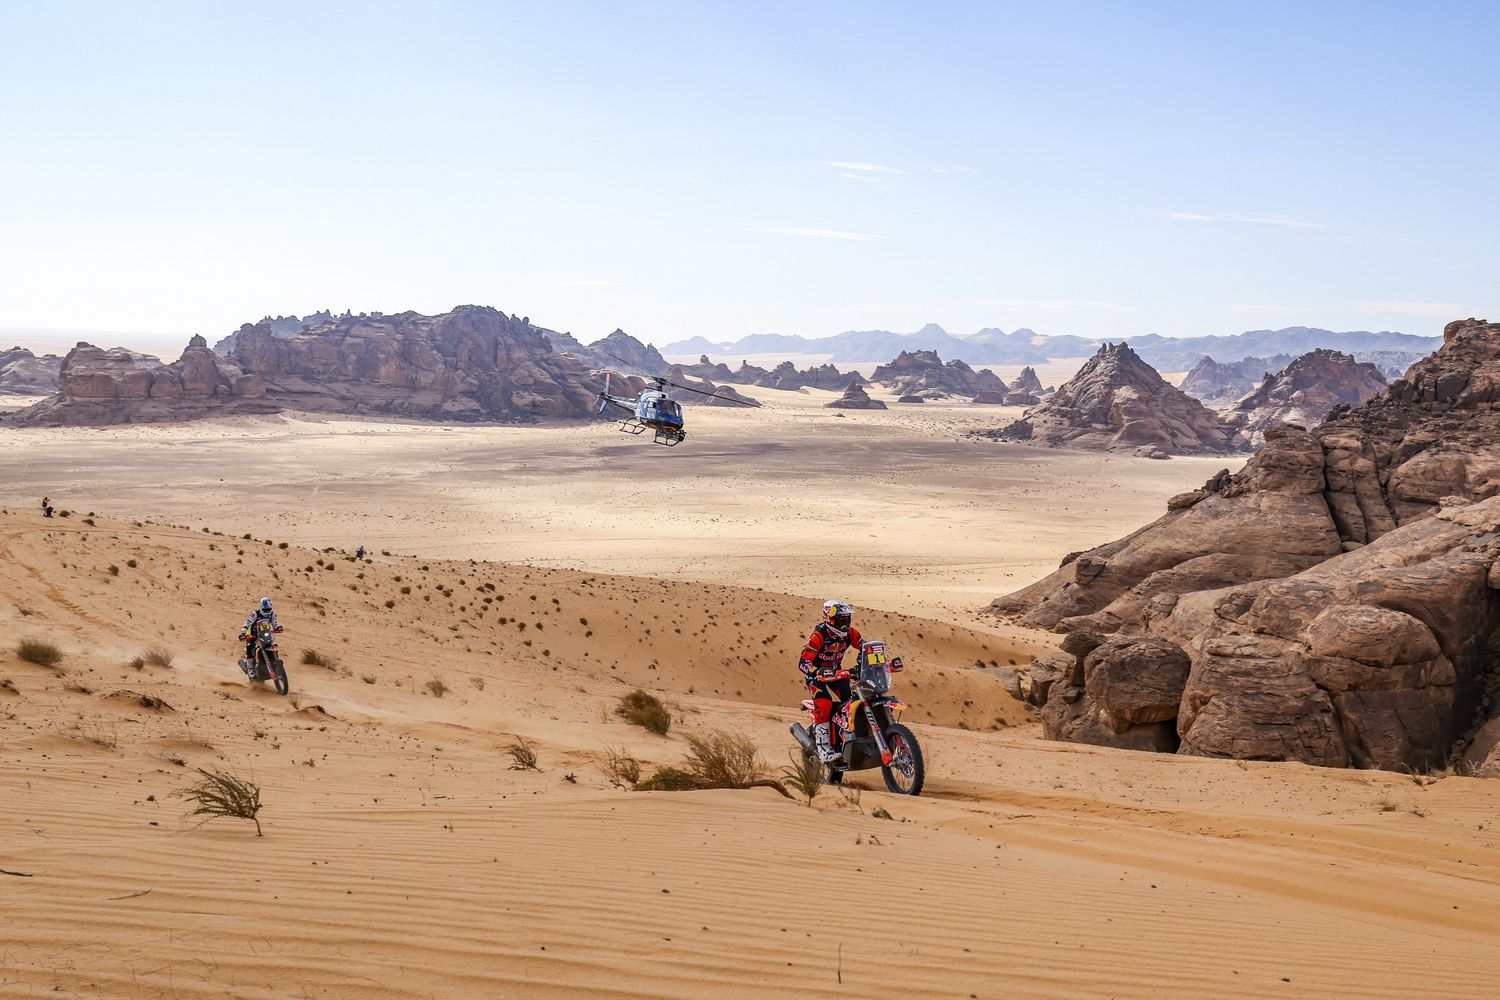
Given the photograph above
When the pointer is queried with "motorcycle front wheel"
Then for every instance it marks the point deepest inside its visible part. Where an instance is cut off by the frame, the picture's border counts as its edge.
(906, 772)
(278, 677)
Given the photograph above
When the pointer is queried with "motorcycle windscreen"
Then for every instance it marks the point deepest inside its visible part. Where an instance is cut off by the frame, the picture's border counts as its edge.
(874, 668)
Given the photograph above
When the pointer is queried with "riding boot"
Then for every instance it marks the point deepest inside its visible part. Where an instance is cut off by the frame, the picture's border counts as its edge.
(823, 740)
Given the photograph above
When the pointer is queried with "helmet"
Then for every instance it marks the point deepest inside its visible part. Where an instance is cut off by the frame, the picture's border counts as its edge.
(265, 604)
(838, 615)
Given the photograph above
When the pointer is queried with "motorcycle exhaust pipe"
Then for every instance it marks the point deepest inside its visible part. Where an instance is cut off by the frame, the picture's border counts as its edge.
(803, 737)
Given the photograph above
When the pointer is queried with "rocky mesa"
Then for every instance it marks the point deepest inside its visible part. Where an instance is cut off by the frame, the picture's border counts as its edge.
(1337, 602)
(1303, 393)
(23, 373)
(924, 375)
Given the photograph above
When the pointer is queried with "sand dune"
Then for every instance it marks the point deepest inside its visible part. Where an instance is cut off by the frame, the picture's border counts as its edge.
(402, 857)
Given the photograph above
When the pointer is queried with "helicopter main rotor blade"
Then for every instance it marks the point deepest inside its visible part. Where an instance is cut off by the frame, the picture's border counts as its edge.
(711, 395)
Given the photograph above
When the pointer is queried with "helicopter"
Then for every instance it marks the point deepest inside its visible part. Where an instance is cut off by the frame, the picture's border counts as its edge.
(653, 410)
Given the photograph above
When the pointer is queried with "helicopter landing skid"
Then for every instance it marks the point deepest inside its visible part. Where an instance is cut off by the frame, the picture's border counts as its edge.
(631, 427)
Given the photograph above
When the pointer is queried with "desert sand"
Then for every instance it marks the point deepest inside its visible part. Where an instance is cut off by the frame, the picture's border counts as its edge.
(403, 857)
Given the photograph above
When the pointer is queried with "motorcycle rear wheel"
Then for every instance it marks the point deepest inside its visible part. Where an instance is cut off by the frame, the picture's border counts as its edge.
(278, 677)
(906, 772)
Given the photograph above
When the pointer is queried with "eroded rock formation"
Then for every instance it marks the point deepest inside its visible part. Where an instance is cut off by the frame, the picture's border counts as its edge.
(1303, 393)
(23, 373)
(923, 373)
(1117, 402)
(856, 398)
(116, 386)
(787, 376)
(1337, 601)
(1218, 384)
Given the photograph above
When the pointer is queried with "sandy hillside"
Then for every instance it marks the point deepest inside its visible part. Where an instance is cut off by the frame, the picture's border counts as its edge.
(403, 858)
(894, 509)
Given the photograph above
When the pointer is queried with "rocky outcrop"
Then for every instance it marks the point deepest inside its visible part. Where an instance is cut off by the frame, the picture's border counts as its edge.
(787, 376)
(1218, 384)
(472, 364)
(1117, 402)
(703, 391)
(990, 397)
(1303, 393)
(748, 374)
(706, 369)
(23, 373)
(1027, 381)
(923, 373)
(115, 386)
(619, 351)
(280, 326)
(1338, 600)
(855, 398)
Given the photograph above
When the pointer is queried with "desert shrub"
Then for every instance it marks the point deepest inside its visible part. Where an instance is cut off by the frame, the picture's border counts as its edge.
(9, 685)
(39, 651)
(221, 794)
(131, 563)
(390, 603)
(367, 678)
(137, 663)
(804, 775)
(406, 590)
(157, 656)
(114, 570)
(522, 754)
(645, 710)
(478, 682)
(623, 770)
(714, 760)
(436, 687)
(313, 658)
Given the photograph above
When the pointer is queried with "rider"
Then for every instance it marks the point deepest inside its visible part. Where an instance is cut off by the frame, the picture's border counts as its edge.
(262, 613)
(822, 667)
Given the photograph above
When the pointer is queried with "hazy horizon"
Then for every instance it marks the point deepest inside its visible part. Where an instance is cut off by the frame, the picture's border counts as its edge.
(677, 170)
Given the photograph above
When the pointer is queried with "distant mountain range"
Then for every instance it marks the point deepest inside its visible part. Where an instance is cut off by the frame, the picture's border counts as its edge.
(992, 346)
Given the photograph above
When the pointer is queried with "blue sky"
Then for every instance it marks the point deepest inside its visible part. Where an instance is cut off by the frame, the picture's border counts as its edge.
(1104, 169)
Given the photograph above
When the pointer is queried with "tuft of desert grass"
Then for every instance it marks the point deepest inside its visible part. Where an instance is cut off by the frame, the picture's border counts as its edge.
(645, 710)
(714, 760)
(436, 687)
(624, 771)
(39, 651)
(522, 754)
(804, 775)
(224, 795)
(158, 656)
(313, 658)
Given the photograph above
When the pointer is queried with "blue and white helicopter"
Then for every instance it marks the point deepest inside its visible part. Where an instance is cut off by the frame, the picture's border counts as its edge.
(653, 410)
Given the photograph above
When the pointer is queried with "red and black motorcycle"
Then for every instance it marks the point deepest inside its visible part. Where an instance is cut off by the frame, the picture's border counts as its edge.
(265, 663)
(865, 732)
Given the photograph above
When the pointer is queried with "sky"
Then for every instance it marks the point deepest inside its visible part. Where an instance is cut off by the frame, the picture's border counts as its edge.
(717, 168)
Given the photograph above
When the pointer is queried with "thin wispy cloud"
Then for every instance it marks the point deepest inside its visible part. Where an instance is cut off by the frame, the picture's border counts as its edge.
(1449, 309)
(824, 234)
(1257, 220)
(861, 177)
(864, 168)
(587, 283)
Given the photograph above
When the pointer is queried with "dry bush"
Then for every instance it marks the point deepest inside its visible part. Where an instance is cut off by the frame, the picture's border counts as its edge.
(137, 663)
(804, 775)
(645, 710)
(522, 754)
(437, 687)
(39, 651)
(367, 678)
(9, 685)
(221, 794)
(313, 658)
(624, 771)
(158, 656)
(715, 760)
(478, 682)
(96, 734)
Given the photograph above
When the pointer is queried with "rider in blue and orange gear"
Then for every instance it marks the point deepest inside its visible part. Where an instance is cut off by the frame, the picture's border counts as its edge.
(822, 666)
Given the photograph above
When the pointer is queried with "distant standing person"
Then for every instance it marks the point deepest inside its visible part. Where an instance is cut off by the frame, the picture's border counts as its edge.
(359, 554)
(46, 507)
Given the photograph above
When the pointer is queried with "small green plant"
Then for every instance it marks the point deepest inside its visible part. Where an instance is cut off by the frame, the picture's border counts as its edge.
(804, 775)
(624, 771)
(313, 658)
(39, 651)
(157, 656)
(436, 687)
(645, 710)
(223, 795)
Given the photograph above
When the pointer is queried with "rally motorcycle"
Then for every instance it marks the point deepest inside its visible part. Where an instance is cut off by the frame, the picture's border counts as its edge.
(865, 732)
(265, 663)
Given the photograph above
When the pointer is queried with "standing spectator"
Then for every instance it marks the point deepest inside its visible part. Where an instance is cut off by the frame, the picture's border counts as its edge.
(359, 555)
